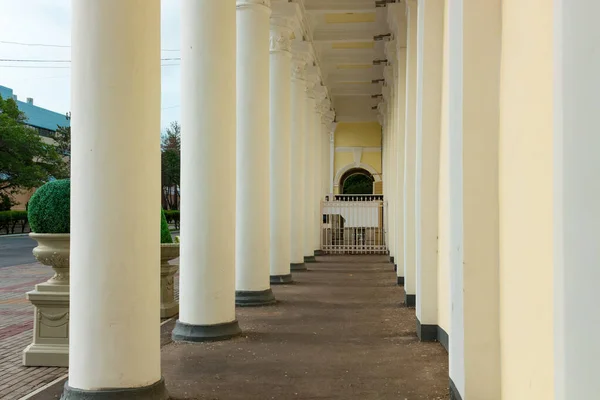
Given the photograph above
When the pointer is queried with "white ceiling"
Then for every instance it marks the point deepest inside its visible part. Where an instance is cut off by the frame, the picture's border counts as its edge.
(343, 34)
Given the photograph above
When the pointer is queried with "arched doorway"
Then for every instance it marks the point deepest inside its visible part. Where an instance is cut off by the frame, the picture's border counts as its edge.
(356, 181)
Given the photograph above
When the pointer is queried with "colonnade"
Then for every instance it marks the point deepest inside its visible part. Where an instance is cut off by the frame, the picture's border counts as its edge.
(254, 168)
(498, 202)
(490, 173)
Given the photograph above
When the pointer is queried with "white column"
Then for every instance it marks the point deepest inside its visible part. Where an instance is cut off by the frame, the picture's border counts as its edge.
(207, 293)
(332, 155)
(473, 111)
(297, 142)
(388, 96)
(114, 341)
(252, 179)
(309, 166)
(317, 175)
(409, 157)
(429, 106)
(576, 199)
(281, 150)
(400, 153)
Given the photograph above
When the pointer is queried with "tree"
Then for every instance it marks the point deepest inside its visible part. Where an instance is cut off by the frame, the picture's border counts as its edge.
(358, 184)
(62, 139)
(171, 165)
(26, 161)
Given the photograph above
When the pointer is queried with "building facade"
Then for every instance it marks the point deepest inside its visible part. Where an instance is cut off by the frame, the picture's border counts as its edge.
(44, 121)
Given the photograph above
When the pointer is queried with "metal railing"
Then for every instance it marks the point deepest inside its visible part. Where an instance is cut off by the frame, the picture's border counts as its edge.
(354, 225)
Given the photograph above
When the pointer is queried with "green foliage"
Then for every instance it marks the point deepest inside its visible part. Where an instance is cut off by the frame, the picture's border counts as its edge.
(172, 217)
(171, 165)
(165, 233)
(26, 161)
(62, 139)
(9, 220)
(50, 207)
(358, 184)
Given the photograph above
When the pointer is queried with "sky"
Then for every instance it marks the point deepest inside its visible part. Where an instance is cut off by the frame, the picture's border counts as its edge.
(49, 22)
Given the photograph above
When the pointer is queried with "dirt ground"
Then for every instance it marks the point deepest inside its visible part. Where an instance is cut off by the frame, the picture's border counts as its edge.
(339, 332)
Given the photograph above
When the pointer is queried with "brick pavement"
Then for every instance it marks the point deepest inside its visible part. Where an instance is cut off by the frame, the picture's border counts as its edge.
(16, 324)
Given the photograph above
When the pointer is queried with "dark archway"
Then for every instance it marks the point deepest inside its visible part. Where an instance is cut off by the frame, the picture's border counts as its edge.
(357, 181)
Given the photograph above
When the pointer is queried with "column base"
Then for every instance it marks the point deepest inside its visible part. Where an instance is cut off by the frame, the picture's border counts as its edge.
(410, 300)
(46, 355)
(295, 267)
(205, 333)
(427, 333)
(392, 259)
(310, 259)
(169, 310)
(244, 298)
(454, 393)
(400, 281)
(319, 253)
(157, 391)
(281, 279)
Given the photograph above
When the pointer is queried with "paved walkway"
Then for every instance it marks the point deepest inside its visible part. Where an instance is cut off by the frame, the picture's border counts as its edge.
(16, 324)
(338, 333)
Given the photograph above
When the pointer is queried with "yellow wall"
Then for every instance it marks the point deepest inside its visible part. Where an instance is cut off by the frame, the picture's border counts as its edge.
(526, 223)
(373, 159)
(361, 134)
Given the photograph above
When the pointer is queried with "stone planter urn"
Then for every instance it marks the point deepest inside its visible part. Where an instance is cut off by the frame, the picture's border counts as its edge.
(50, 347)
(168, 305)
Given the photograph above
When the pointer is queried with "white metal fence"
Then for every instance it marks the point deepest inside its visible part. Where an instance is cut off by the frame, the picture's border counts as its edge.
(354, 224)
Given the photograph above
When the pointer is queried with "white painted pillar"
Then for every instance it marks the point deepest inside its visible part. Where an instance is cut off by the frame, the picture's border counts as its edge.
(317, 175)
(331, 132)
(252, 161)
(309, 166)
(400, 154)
(281, 150)
(298, 102)
(576, 199)
(474, 56)
(429, 106)
(410, 278)
(114, 341)
(207, 294)
(388, 95)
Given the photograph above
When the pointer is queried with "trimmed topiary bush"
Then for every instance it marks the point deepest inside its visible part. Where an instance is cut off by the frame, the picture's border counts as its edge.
(50, 208)
(165, 233)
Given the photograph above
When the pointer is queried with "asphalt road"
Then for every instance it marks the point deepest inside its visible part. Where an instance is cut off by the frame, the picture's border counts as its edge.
(16, 250)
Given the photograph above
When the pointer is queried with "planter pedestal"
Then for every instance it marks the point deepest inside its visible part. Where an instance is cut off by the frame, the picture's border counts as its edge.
(168, 305)
(50, 347)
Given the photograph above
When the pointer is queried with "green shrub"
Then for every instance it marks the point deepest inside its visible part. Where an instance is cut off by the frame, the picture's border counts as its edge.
(172, 217)
(50, 207)
(165, 233)
(9, 220)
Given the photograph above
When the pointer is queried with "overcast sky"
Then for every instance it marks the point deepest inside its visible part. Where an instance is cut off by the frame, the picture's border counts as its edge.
(49, 22)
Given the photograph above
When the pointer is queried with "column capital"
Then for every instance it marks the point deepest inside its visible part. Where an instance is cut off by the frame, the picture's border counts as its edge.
(298, 69)
(261, 5)
(281, 33)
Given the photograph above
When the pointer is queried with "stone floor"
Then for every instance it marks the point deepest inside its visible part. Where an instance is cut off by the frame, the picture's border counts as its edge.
(339, 333)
